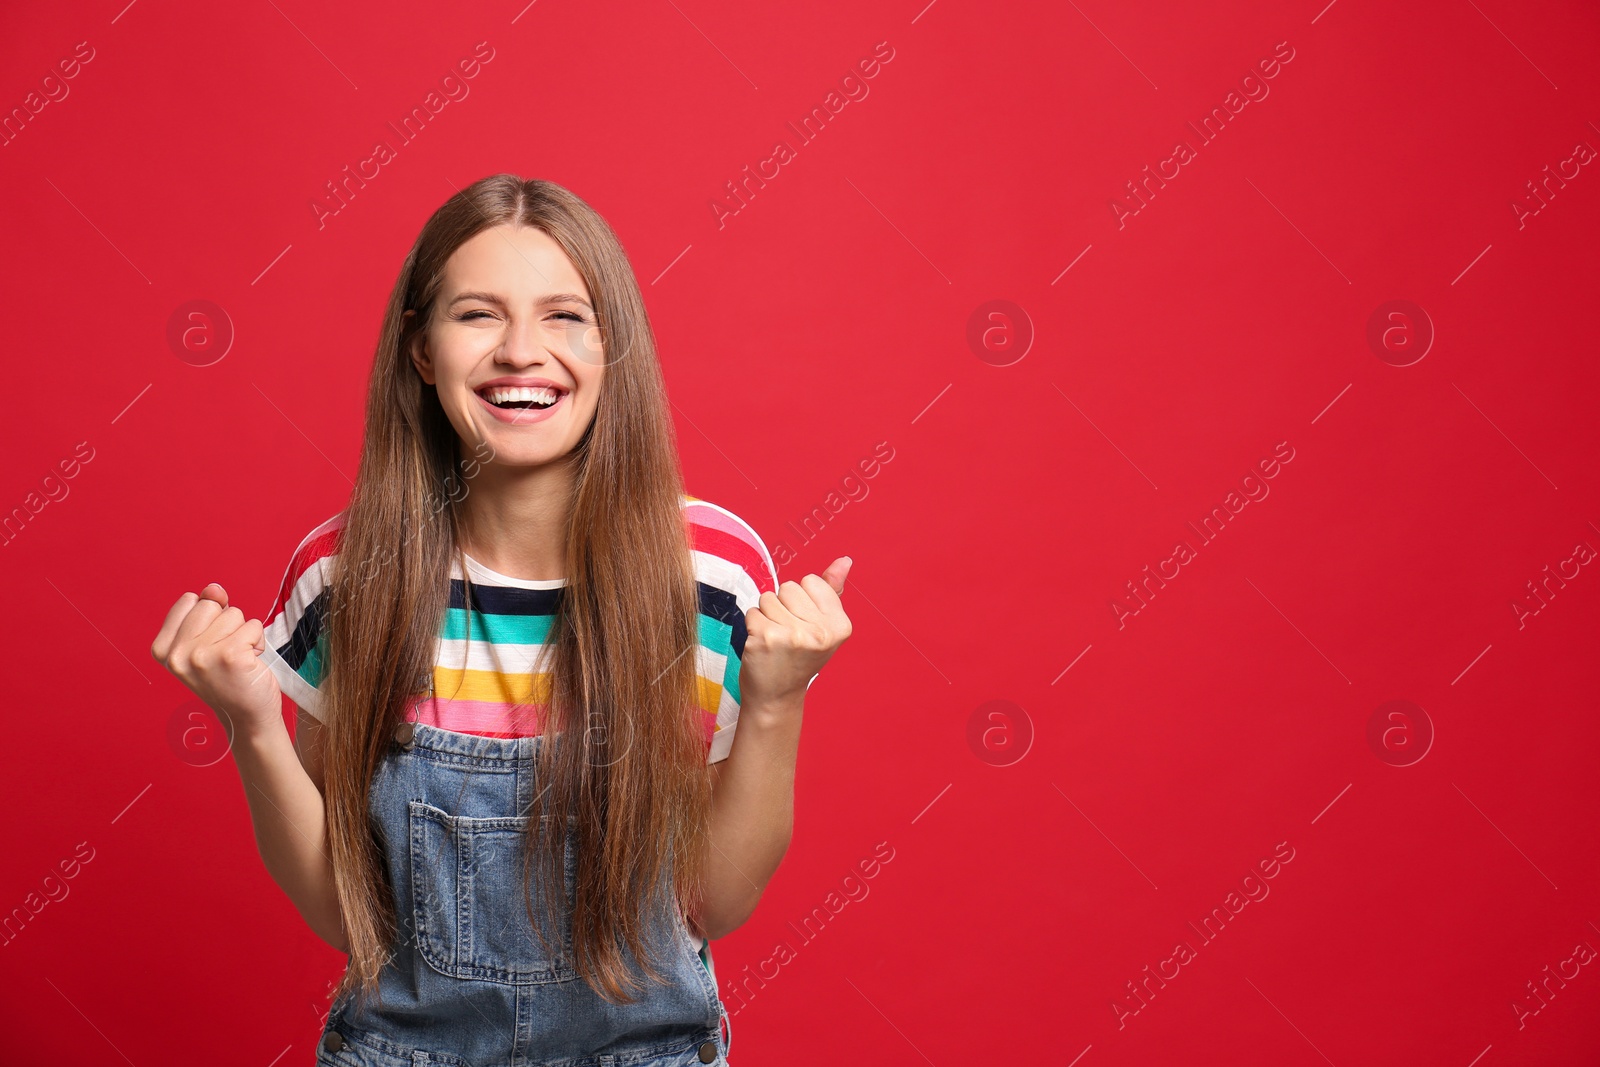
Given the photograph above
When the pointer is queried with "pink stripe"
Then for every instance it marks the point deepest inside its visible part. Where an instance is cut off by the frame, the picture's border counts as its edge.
(492, 719)
(478, 716)
(717, 520)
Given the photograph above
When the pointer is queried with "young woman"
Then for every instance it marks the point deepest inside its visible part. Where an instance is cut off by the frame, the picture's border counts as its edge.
(513, 796)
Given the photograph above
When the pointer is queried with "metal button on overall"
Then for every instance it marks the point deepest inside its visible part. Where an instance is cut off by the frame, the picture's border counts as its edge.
(404, 733)
(708, 1051)
(334, 1042)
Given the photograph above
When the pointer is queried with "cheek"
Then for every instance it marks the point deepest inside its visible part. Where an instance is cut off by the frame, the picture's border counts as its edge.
(587, 376)
(463, 346)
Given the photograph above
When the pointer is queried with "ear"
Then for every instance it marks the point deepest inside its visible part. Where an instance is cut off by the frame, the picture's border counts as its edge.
(417, 349)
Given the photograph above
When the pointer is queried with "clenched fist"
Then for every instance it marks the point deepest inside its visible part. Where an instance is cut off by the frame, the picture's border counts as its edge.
(790, 634)
(212, 648)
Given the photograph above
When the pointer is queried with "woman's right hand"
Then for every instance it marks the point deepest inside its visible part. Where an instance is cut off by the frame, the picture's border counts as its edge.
(212, 648)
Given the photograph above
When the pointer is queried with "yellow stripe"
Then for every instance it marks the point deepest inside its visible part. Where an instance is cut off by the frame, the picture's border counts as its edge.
(491, 686)
(709, 692)
(497, 688)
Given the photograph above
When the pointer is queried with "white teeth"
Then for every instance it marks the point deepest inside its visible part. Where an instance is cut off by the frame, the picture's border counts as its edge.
(504, 394)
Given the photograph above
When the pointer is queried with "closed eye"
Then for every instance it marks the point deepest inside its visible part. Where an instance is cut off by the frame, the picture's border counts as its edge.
(560, 314)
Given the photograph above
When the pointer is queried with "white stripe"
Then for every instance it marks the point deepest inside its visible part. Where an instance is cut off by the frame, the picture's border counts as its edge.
(293, 686)
(280, 629)
(728, 576)
(721, 744)
(306, 588)
(711, 664)
(479, 655)
(482, 575)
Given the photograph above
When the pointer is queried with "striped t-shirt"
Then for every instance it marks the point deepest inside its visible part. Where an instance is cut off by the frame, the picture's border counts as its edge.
(484, 682)
(486, 685)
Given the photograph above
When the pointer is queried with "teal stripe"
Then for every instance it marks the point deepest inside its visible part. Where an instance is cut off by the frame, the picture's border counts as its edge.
(497, 629)
(714, 635)
(311, 666)
(718, 637)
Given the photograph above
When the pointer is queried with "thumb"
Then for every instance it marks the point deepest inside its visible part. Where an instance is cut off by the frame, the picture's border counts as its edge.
(836, 572)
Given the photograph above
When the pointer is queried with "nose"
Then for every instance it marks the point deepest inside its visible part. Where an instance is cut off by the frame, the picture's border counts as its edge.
(521, 346)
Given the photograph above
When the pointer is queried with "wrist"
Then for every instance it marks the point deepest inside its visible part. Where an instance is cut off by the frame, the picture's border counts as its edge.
(769, 712)
(253, 740)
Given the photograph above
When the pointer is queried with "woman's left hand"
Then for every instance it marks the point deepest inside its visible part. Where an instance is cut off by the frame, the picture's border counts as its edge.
(790, 634)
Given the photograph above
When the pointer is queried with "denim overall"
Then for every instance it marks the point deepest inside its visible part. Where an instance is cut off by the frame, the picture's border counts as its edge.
(468, 983)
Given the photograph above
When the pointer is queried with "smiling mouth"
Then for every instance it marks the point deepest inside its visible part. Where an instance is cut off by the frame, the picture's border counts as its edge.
(510, 399)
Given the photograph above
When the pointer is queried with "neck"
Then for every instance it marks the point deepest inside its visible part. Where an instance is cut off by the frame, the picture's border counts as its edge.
(514, 520)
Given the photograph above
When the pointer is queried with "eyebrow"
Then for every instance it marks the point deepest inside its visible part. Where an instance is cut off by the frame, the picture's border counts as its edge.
(490, 298)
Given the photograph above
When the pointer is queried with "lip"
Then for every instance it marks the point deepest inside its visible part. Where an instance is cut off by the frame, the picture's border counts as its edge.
(522, 416)
(529, 383)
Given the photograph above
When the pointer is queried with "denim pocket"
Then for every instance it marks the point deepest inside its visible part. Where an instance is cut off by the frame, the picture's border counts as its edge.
(467, 900)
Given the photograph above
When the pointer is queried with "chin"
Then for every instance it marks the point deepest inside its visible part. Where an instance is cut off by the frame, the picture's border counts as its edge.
(527, 457)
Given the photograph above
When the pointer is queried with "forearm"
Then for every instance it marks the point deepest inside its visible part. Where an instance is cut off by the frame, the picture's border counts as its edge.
(291, 827)
(752, 817)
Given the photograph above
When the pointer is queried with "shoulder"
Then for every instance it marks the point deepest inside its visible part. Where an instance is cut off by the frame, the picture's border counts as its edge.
(729, 556)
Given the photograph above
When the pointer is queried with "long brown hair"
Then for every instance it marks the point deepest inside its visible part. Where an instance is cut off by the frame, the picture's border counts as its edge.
(634, 778)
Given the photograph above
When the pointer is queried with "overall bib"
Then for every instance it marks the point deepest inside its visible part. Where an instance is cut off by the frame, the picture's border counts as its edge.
(469, 983)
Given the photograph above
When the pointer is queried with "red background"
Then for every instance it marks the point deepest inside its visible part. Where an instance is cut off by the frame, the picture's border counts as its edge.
(829, 313)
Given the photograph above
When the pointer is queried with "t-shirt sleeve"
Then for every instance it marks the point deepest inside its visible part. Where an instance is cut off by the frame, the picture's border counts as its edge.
(733, 568)
(295, 638)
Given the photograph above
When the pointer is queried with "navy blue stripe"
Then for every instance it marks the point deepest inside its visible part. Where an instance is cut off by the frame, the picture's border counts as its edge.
(505, 600)
(306, 632)
(718, 604)
(723, 606)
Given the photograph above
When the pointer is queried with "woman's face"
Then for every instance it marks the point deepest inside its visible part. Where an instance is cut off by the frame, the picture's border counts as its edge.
(512, 329)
